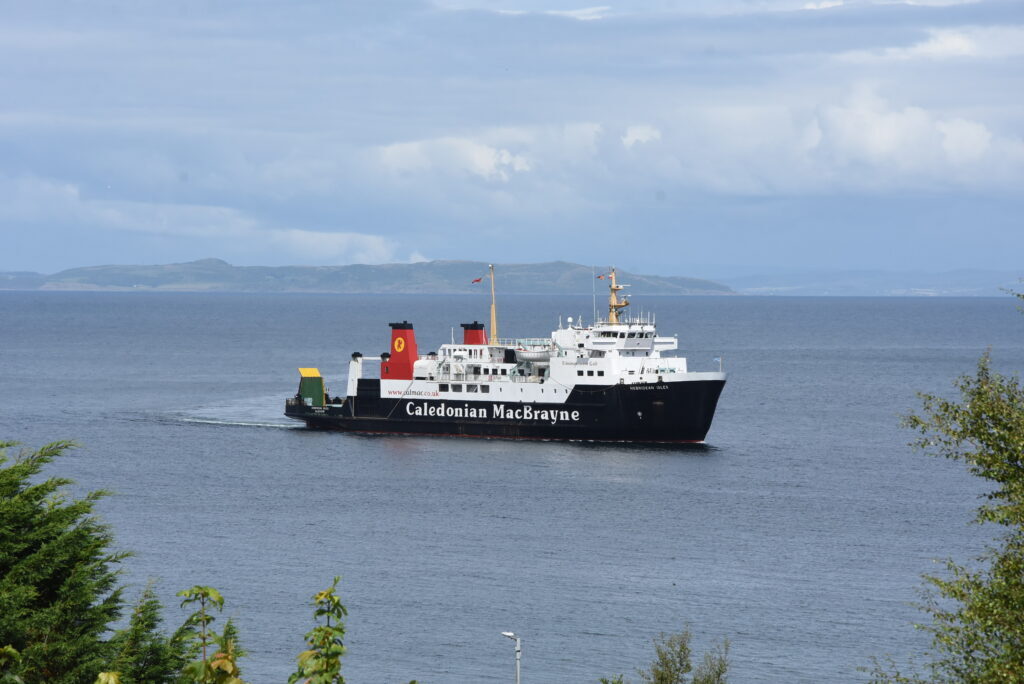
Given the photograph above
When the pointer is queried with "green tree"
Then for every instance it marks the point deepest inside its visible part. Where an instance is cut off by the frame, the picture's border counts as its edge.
(714, 667)
(10, 660)
(143, 655)
(206, 597)
(977, 612)
(223, 666)
(58, 593)
(673, 663)
(672, 659)
(321, 663)
(220, 666)
(230, 635)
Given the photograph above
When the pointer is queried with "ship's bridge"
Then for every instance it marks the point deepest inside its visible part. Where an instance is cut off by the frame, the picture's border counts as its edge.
(627, 339)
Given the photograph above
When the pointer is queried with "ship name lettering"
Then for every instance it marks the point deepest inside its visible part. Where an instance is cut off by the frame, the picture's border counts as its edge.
(552, 416)
(443, 410)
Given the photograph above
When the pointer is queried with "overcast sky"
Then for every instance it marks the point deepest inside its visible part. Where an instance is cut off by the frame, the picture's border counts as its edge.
(706, 137)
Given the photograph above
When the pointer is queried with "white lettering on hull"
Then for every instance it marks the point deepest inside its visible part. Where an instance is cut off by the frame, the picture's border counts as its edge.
(497, 411)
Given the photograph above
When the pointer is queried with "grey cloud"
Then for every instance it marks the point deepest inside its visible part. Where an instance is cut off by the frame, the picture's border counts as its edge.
(411, 123)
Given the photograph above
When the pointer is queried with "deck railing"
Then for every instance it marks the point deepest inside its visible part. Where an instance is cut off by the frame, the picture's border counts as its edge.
(525, 342)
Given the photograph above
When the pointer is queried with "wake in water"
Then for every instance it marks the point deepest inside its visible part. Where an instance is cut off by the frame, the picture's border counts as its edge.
(237, 423)
(262, 412)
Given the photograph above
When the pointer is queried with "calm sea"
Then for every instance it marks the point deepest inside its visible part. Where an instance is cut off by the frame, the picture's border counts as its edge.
(799, 531)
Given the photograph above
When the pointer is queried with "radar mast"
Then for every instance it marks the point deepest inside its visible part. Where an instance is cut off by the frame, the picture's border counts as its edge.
(613, 300)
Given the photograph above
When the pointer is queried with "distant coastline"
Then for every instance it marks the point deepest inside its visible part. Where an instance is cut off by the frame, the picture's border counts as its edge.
(439, 277)
(456, 277)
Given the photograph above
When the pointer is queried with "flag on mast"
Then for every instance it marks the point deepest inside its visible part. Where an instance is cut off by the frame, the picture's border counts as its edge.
(477, 280)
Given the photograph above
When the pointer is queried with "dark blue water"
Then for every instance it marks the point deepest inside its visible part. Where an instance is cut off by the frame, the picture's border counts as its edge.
(800, 532)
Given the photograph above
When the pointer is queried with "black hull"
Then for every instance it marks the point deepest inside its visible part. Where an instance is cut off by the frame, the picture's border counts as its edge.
(666, 412)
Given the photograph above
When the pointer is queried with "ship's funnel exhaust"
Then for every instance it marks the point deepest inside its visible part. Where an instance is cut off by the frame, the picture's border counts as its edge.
(473, 333)
(403, 353)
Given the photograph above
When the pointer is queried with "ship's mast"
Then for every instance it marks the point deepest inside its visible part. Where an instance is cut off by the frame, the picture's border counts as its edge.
(494, 309)
(613, 300)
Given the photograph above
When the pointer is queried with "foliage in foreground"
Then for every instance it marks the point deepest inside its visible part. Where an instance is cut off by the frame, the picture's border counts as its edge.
(977, 613)
(673, 664)
(58, 580)
(219, 653)
(321, 664)
(142, 653)
(58, 600)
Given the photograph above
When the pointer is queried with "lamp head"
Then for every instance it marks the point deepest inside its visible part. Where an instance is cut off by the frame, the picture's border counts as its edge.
(510, 635)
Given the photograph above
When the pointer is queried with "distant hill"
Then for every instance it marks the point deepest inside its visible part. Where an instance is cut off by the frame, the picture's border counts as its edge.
(959, 283)
(215, 275)
(21, 280)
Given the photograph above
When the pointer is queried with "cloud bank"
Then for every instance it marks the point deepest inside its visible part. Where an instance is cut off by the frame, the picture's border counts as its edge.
(321, 132)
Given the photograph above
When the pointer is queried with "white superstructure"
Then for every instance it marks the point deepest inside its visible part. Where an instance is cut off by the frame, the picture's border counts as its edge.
(543, 370)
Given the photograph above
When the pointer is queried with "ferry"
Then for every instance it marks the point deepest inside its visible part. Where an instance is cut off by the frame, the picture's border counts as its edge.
(610, 381)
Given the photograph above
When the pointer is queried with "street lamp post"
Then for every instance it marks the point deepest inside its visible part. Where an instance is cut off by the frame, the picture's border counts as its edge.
(519, 650)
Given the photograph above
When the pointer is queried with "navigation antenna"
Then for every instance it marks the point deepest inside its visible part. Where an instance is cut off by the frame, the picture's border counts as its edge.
(613, 300)
(593, 291)
(494, 309)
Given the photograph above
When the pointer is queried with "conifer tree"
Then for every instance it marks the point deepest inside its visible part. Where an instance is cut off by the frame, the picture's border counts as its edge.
(142, 654)
(58, 593)
(10, 659)
(224, 662)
